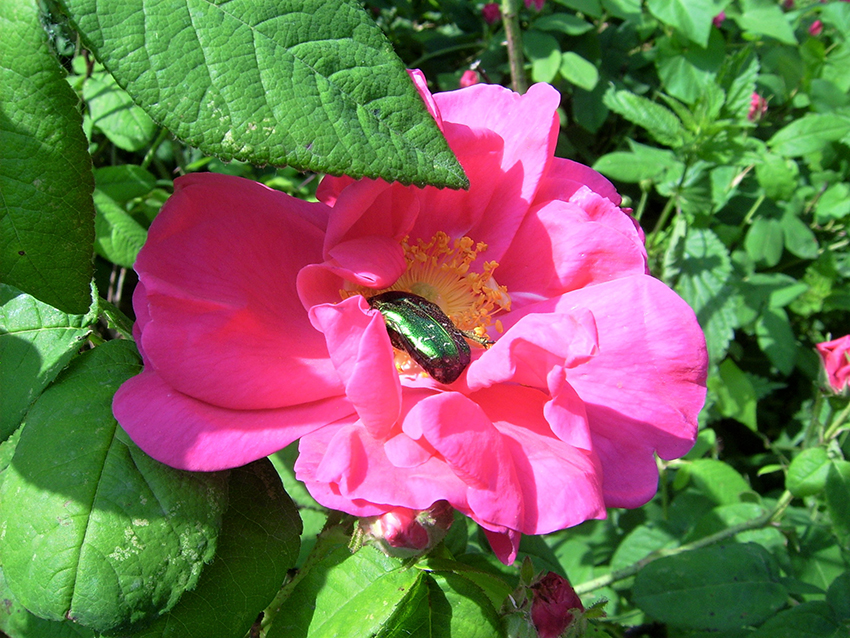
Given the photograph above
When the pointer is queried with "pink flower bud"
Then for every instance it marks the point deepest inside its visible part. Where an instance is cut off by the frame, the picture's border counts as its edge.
(758, 107)
(554, 598)
(835, 356)
(538, 4)
(718, 19)
(788, 4)
(469, 78)
(406, 532)
(815, 28)
(491, 13)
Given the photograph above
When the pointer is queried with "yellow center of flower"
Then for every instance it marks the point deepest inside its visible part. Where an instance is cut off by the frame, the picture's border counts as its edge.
(439, 271)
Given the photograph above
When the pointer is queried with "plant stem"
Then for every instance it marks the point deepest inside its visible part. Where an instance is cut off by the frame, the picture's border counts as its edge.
(756, 523)
(510, 18)
(163, 133)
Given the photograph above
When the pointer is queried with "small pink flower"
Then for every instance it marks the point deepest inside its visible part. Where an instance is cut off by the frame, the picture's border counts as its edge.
(491, 12)
(758, 107)
(719, 19)
(469, 78)
(788, 4)
(553, 600)
(835, 356)
(255, 329)
(816, 28)
(404, 532)
(538, 4)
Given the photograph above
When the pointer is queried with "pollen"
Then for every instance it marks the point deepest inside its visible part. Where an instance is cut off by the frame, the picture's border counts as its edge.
(441, 270)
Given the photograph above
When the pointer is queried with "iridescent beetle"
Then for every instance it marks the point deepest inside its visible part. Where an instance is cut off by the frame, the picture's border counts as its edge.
(421, 329)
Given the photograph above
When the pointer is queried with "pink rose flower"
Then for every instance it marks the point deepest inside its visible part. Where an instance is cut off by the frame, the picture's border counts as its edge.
(469, 78)
(491, 12)
(758, 107)
(835, 356)
(255, 330)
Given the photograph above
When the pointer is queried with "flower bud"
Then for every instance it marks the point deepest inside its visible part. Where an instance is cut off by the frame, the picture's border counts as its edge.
(469, 78)
(404, 532)
(835, 356)
(554, 600)
(491, 13)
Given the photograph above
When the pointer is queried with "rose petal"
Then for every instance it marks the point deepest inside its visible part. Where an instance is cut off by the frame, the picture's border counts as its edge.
(225, 322)
(192, 435)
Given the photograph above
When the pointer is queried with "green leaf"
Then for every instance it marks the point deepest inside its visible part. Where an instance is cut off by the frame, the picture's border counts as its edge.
(777, 175)
(114, 113)
(799, 238)
(692, 18)
(776, 339)
(345, 595)
(658, 120)
(812, 619)
(94, 530)
(838, 596)
(718, 481)
(807, 472)
(563, 23)
(716, 588)
(764, 17)
(36, 342)
(738, 78)
(736, 397)
(810, 133)
(468, 611)
(588, 7)
(119, 236)
(699, 264)
(834, 203)
(544, 52)
(765, 241)
(313, 84)
(258, 543)
(838, 500)
(124, 182)
(17, 622)
(688, 72)
(46, 212)
(579, 71)
(640, 543)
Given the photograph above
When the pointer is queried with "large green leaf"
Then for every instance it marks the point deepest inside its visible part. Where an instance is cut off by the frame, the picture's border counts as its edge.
(36, 342)
(345, 595)
(699, 264)
(257, 545)
(838, 499)
(712, 589)
(810, 133)
(309, 83)
(692, 18)
(764, 17)
(91, 528)
(46, 211)
(658, 120)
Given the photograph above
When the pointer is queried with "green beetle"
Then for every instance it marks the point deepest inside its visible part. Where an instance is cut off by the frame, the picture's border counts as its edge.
(421, 329)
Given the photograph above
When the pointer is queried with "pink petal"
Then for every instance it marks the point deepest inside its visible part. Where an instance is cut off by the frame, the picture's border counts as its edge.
(645, 387)
(559, 248)
(224, 321)
(192, 435)
(565, 177)
(375, 261)
(561, 484)
(361, 352)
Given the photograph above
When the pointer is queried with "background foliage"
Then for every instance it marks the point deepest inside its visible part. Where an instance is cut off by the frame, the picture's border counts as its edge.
(746, 206)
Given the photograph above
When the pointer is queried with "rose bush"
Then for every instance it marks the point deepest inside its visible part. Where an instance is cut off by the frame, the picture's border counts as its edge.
(255, 330)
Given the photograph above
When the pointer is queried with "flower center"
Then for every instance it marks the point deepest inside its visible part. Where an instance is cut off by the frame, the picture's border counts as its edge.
(439, 271)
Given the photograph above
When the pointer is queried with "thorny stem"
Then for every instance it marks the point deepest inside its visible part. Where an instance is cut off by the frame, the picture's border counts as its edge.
(510, 18)
(765, 519)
